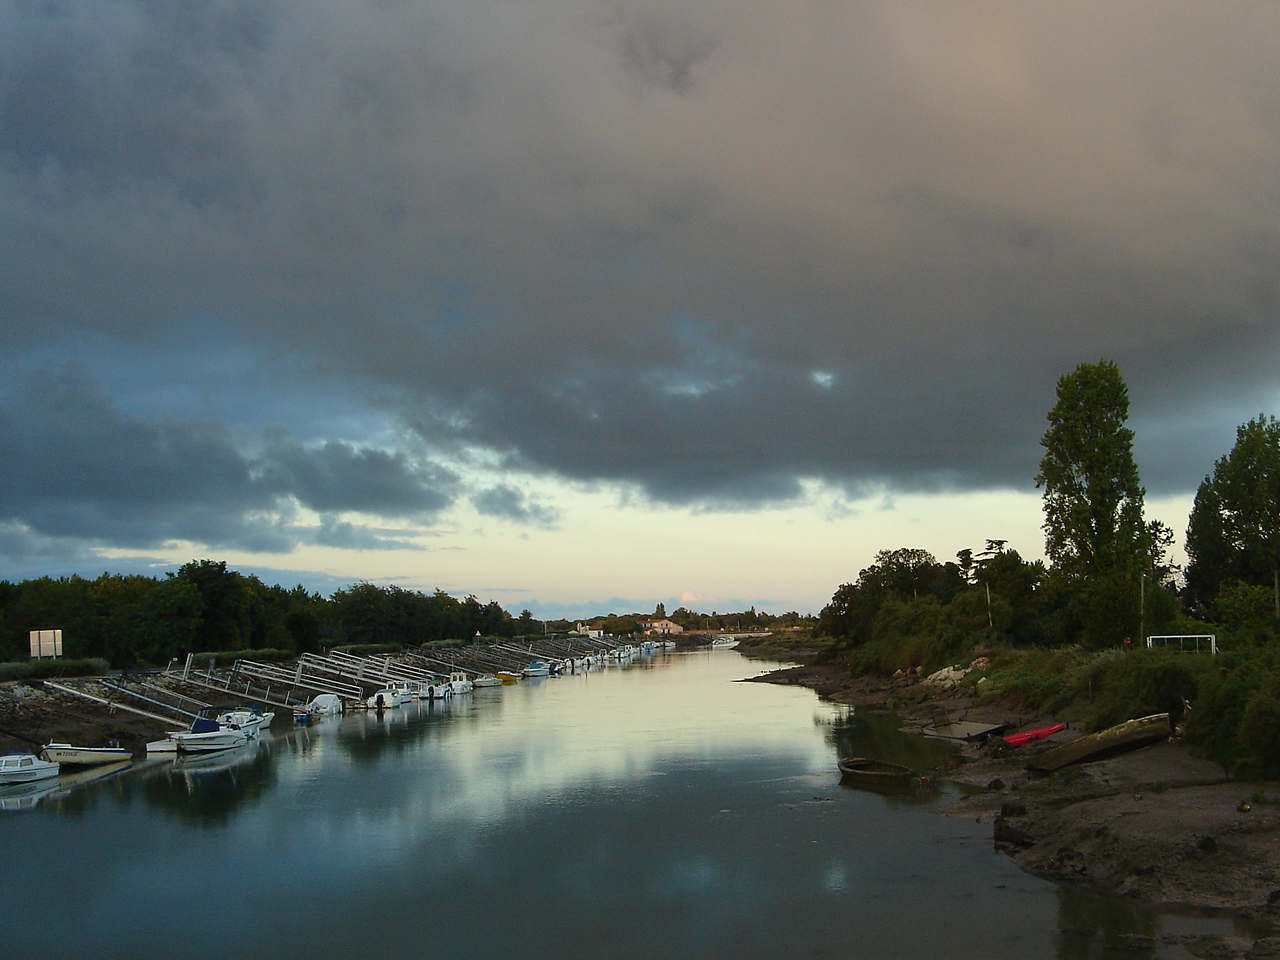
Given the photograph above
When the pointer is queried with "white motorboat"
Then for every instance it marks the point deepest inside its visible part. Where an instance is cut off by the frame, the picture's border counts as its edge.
(325, 705)
(25, 768)
(538, 668)
(250, 718)
(459, 682)
(85, 756)
(389, 697)
(208, 735)
(486, 680)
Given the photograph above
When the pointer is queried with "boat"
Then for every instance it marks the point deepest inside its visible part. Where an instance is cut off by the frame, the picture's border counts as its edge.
(389, 697)
(538, 668)
(459, 682)
(1121, 738)
(509, 676)
(250, 718)
(865, 772)
(207, 735)
(85, 756)
(486, 680)
(1021, 739)
(25, 768)
(325, 705)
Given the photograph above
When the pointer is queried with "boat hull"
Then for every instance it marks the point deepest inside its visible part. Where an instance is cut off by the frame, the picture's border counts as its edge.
(881, 774)
(1130, 735)
(84, 756)
(209, 742)
(25, 768)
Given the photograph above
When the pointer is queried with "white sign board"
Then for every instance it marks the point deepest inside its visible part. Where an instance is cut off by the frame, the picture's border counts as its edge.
(46, 643)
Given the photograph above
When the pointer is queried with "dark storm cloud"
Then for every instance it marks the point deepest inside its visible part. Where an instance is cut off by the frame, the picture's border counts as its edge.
(706, 250)
(512, 504)
(77, 468)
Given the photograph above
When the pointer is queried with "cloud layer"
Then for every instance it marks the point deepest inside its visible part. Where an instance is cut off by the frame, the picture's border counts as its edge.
(705, 251)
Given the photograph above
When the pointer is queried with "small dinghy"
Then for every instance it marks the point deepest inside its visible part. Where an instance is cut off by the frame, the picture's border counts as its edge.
(864, 772)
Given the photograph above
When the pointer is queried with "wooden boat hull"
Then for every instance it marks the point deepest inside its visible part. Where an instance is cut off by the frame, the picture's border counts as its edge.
(1121, 738)
(865, 772)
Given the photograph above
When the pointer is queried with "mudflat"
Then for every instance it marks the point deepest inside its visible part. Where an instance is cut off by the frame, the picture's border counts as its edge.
(1159, 824)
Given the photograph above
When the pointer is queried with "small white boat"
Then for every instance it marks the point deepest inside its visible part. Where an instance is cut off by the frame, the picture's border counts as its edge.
(207, 735)
(85, 756)
(389, 697)
(486, 680)
(459, 682)
(25, 768)
(538, 668)
(249, 718)
(325, 705)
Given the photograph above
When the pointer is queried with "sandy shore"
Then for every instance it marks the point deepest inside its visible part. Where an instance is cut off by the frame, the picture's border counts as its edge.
(1158, 824)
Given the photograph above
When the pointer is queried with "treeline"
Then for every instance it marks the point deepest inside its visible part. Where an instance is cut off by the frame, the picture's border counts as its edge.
(128, 620)
(1107, 586)
(749, 620)
(205, 607)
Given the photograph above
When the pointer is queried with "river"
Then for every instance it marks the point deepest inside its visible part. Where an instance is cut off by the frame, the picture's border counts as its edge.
(656, 810)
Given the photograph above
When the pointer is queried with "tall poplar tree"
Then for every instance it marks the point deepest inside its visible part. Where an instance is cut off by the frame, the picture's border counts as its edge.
(1093, 502)
(1234, 528)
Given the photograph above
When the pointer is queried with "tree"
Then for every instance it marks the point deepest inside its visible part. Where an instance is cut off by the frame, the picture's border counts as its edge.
(1234, 528)
(1093, 501)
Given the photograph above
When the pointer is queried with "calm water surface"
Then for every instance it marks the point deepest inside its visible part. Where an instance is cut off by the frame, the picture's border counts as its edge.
(656, 810)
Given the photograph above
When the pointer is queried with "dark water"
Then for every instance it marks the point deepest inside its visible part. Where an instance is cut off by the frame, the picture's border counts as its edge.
(656, 810)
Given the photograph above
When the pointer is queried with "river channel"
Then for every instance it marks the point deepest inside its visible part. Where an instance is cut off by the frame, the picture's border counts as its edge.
(655, 810)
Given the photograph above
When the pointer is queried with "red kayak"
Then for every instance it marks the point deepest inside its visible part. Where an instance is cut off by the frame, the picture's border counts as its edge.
(1018, 739)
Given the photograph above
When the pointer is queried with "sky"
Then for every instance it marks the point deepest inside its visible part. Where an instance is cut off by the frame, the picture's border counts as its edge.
(584, 305)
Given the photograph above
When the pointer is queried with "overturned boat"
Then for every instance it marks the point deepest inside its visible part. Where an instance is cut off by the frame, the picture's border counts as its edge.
(1121, 738)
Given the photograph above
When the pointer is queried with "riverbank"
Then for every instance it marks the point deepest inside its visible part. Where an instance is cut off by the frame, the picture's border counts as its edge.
(1158, 824)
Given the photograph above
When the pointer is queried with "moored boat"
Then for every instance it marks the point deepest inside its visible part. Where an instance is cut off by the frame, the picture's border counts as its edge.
(250, 718)
(207, 735)
(486, 680)
(538, 668)
(85, 756)
(389, 697)
(865, 772)
(1121, 738)
(25, 768)
(459, 682)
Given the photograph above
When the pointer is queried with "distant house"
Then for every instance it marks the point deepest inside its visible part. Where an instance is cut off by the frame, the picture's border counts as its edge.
(660, 626)
(585, 631)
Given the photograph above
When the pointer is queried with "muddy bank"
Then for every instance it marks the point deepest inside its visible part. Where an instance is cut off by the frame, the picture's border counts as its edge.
(1158, 824)
(32, 715)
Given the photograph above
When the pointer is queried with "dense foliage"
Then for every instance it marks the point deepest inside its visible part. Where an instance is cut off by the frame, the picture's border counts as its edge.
(1068, 637)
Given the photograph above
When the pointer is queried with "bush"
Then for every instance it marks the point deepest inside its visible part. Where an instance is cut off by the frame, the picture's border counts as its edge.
(51, 669)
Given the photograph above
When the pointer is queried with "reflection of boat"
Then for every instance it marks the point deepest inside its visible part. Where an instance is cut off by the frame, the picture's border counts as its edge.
(1019, 739)
(24, 796)
(220, 760)
(1121, 738)
(85, 756)
(864, 772)
(25, 768)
